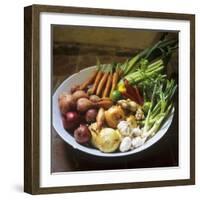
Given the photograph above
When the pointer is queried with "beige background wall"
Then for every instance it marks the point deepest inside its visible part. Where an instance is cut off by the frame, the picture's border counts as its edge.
(75, 47)
(127, 38)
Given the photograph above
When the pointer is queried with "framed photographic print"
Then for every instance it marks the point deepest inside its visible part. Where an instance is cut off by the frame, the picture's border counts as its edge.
(109, 99)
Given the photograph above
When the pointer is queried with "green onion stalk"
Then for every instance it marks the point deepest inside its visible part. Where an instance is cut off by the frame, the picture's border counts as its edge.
(162, 49)
(161, 106)
(147, 72)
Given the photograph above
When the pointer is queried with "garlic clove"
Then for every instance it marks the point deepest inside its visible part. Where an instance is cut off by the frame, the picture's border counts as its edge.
(137, 131)
(138, 141)
(124, 128)
(125, 144)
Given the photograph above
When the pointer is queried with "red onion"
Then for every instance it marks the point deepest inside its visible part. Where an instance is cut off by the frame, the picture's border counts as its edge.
(90, 115)
(71, 121)
(82, 134)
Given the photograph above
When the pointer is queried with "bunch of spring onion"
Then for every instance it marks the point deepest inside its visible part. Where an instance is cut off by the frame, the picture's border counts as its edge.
(162, 49)
(145, 71)
(160, 105)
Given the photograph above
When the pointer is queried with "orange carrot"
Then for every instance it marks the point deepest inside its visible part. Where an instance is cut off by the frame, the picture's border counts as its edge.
(108, 86)
(106, 104)
(89, 80)
(105, 99)
(101, 83)
(96, 82)
(114, 81)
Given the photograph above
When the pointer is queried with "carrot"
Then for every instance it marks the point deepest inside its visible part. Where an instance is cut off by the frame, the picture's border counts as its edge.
(108, 85)
(89, 80)
(105, 99)
(105, 104)
(102, 83)
(96, 82)
(114, 81)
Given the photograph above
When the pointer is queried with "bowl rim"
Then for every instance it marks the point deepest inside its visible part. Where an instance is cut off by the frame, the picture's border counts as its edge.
(69, 139)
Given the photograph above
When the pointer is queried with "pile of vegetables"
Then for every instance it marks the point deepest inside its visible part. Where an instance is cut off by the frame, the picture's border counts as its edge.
(121, 105)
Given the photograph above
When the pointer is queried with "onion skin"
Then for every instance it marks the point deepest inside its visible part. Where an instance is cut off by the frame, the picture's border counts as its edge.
(90, 115)
(79, 94)
(82, 134)
(95, 98)
(113, 115)
(71, 120)
(84, 104)
(66, 103)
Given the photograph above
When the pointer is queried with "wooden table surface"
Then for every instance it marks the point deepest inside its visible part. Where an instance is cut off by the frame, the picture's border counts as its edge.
(162, 154)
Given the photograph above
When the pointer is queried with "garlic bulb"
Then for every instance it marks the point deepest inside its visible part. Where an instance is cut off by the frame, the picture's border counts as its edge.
(124, 128)
(137, 131)
(125, 144)
(137, 142)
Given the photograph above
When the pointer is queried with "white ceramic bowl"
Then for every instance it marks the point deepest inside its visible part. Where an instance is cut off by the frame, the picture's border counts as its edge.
(57, 121)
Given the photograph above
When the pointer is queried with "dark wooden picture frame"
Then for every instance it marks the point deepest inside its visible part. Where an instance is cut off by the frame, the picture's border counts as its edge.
(32, 93)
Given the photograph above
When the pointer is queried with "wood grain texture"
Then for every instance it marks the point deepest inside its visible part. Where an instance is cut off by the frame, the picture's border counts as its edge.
(27, 103)
(192, 99)
(112, 12)
(31, 101)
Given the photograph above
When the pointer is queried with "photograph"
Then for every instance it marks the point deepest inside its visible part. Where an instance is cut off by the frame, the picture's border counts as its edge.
(109, 99)
(114, 98)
